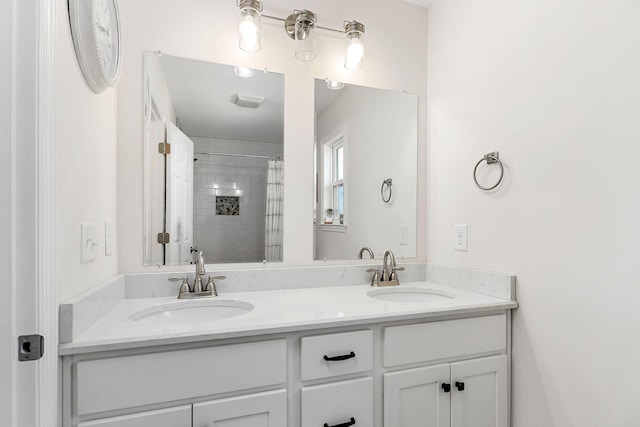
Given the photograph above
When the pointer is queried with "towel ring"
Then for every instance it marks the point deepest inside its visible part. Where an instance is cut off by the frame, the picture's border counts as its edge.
(490, 158)
(386, 183)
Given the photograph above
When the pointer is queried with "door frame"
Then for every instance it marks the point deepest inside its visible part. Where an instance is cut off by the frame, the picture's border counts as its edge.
(28, 218)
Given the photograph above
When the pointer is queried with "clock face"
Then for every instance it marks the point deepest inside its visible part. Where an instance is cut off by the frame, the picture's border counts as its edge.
(107, 36)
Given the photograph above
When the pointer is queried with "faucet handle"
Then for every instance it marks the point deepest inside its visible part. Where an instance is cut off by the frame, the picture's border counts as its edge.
(218, 277)
(184, 286)
(211, 287)
(376, 276)
(398, 268)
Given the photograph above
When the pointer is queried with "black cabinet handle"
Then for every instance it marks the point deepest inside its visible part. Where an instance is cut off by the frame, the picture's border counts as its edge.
(460, 385)
(343, 357)
(347, 424)
(446, 387)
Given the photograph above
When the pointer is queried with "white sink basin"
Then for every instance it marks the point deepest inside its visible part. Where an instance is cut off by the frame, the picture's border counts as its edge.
(180, 312)
(411, 295)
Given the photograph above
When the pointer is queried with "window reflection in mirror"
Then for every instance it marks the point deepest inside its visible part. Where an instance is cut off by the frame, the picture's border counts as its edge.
(219, 187)
(364, 136)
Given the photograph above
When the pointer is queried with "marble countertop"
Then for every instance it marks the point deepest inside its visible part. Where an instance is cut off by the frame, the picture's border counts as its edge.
(275, 311)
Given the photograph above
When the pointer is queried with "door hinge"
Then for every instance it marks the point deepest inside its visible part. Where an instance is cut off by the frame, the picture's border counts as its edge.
(30, 347)
(164, 148)
(163, 238)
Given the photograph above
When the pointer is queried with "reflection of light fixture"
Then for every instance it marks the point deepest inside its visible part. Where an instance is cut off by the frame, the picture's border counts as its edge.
(354, 55)
(299, 25)
(250, 25)
(334, 85)
(243, 71)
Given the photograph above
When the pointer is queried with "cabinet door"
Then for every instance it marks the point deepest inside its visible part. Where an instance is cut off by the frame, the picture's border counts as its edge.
(172, 417)
(483, 402)
(254, 410)
(415, 398)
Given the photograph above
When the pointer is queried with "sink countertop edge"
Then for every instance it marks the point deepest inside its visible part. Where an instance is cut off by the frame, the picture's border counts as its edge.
(361, 311)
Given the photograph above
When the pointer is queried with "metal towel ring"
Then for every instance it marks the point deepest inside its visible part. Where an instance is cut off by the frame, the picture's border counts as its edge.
(490, 158)
(386, 183)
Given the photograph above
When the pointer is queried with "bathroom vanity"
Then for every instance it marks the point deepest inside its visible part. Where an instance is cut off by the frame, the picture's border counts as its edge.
(423, 353)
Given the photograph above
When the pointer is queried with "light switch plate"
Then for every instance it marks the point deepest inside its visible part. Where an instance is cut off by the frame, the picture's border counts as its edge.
(109, 237)
(460, 237)
(88, 242)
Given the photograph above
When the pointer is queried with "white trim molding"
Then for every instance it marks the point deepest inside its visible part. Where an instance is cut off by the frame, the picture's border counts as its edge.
(32, 289)
(47, 307)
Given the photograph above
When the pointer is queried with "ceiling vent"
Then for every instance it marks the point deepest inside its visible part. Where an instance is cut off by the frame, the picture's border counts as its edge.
(247, 101)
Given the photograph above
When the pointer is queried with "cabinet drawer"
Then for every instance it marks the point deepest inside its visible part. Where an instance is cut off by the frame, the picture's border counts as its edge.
(129, 381)
(433, 341)
(254, 410)
(173, 417)
(347, 353)
(337, 403)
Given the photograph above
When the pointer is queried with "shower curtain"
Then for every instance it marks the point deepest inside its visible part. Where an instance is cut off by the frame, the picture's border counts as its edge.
(273, 223)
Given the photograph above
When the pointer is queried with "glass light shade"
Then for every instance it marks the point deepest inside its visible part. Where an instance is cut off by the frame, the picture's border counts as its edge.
(306, 48)
(305, 36)
(354, 54)
(334, 84)
(250, 29)
(241, 71)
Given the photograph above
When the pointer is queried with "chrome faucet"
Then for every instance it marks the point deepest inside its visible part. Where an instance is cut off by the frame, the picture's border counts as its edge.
(364, 248)
(200, 271)
(198, 291)
(389, 277)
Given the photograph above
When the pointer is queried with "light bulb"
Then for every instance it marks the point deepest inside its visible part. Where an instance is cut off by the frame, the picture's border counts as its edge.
(249, 27)
(354, 54)
(334, 84)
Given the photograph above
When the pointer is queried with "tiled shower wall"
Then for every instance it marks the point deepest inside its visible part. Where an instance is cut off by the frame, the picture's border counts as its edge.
(230, 238)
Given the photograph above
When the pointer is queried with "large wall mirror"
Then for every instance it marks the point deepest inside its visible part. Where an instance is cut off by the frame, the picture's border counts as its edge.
(214, 162)
(365, 172)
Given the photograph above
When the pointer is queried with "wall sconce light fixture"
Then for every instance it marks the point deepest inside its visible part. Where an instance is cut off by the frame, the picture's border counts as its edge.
(300, 26)
(354, 55)
(250, 26)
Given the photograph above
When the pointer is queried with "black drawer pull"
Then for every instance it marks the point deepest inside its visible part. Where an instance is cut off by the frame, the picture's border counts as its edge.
(460, 385)
(343, 357)
(446, 387)
(347, 424)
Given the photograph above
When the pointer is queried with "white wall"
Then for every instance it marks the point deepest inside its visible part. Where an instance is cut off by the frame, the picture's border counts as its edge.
(85, 165)
(387, 124)
(207, 30)
(554, 85)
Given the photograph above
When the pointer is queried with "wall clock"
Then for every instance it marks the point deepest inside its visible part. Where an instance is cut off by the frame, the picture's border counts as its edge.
(95, 30)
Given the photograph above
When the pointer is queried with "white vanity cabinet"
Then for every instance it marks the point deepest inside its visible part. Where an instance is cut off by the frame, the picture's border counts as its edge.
(469, 393)
(100, 386)
(464, 394)
(330, 356)
(384, 374)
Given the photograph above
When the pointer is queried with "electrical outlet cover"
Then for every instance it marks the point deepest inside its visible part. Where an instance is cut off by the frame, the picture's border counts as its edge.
(460, 237)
